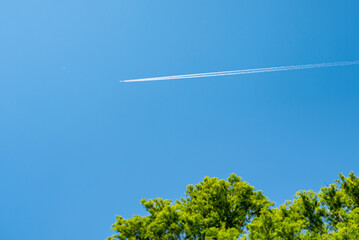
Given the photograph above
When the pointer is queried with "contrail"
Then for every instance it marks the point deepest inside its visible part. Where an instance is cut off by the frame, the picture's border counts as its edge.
(246, 71)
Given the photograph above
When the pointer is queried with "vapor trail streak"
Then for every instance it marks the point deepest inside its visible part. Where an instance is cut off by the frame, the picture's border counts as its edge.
(246, 71)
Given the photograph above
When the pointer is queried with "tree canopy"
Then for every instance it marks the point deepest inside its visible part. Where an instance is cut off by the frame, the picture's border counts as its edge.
(233, 209)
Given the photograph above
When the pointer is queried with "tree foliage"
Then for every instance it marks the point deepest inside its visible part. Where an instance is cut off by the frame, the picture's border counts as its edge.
(233, 209)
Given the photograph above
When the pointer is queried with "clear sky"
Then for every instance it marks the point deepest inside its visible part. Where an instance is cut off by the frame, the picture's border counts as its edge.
(77, 147)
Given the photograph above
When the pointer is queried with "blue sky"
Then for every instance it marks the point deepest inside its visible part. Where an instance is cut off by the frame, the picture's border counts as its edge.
(77, 147)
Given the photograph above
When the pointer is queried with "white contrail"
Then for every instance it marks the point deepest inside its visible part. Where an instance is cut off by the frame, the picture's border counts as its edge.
(245, 71)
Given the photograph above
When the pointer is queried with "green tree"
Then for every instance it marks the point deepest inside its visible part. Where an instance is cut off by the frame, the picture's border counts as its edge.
(233, 209)
(333, 213)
